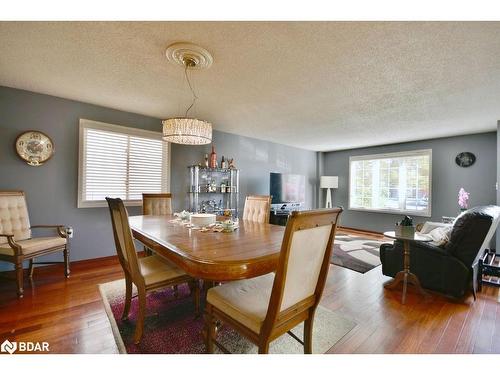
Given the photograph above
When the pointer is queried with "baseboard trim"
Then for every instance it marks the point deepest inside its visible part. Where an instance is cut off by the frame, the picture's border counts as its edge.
(72, 263)
(360, 230)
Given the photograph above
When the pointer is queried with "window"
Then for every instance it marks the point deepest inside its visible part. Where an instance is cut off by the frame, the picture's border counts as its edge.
(397, 182)
(120, 162)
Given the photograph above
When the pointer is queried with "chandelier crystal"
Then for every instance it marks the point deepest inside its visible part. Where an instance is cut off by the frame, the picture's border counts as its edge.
(186, 130)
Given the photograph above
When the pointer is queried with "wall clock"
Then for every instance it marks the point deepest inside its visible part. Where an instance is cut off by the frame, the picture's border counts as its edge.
(34, 147)
(465, 159)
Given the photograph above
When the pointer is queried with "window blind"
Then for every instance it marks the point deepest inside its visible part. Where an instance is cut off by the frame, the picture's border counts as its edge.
(120, 162)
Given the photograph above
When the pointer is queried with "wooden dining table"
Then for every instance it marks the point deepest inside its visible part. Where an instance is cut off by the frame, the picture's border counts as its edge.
(249, 251)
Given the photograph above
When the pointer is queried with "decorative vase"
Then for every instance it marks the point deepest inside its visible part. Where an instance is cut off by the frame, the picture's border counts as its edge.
(213, 158)
(404, 230)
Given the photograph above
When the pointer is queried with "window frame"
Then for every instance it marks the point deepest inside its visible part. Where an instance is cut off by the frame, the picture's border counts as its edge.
(90, 124)
(389, 155)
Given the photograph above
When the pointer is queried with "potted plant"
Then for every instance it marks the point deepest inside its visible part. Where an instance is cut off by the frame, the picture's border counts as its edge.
(463, 200)
(405, 227)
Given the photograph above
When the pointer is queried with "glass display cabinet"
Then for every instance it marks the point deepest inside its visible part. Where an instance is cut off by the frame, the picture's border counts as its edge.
(214, 190)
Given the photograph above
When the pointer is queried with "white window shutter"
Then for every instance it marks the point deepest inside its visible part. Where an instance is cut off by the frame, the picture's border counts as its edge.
(120, 162)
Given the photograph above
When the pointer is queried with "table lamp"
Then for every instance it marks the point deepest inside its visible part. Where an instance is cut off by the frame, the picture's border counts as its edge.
(328, 183)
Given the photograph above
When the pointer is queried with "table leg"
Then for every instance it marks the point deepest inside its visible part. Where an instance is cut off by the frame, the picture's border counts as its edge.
(405, 276)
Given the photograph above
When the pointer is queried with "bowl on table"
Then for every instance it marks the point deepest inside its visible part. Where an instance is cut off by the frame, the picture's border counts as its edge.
(202, 220)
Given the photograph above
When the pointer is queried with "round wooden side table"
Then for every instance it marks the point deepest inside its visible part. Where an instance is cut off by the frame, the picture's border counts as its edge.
(405, 276)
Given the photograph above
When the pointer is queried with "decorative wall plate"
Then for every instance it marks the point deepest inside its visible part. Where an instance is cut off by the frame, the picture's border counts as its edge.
(34, 147)
(465, 159)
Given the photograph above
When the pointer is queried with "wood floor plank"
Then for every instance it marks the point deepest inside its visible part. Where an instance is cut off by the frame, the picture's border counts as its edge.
(70, 315)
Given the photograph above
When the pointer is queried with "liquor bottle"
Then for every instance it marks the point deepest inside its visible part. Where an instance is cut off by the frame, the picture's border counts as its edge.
(223, 163)
(206, 160)
(213, 158)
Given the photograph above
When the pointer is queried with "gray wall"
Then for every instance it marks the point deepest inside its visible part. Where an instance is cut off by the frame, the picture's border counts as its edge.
(447, 178)
(254, 158)
(52, 189)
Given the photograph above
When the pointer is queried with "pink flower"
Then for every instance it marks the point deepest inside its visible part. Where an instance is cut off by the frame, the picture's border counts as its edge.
(463, 199)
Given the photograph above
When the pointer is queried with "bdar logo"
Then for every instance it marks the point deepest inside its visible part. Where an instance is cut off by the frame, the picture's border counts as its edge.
(9, 347)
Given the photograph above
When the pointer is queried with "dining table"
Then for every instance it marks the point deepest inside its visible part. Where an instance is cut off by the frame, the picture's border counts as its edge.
(249, 251)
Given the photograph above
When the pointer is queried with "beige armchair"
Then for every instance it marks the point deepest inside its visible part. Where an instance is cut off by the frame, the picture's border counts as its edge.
(268, 306)
(17, 243)
(257, 208)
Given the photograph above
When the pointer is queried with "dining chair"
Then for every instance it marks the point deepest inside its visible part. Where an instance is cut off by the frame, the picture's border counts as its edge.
(146, 273)
(156, 204)
(257, 208)
(265, 307)
(17, 243)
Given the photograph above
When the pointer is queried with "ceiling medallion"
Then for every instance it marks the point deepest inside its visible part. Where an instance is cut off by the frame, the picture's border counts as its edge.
(186, 130)
(177, 53)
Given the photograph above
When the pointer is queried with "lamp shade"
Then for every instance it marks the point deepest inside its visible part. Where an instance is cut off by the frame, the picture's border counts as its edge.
(187, 131)
(329, 182)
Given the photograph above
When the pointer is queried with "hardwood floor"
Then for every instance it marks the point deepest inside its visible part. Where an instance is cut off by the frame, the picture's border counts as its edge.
(69, 314)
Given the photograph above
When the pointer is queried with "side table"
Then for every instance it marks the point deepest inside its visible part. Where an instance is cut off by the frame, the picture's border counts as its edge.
(405, 276)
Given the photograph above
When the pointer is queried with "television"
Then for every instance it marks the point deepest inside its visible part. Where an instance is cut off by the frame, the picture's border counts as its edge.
(287, 188)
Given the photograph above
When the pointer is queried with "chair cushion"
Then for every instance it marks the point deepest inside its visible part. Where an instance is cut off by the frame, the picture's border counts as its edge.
(33, 245)
(13, 217)
(157, 206)
(256, 210)
(246, 301)
(155, 270)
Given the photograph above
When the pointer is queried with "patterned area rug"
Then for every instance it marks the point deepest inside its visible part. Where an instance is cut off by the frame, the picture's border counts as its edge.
(171, 327)
(356, 253)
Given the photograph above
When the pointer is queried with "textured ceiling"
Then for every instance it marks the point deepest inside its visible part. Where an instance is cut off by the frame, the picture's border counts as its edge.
(315, 85)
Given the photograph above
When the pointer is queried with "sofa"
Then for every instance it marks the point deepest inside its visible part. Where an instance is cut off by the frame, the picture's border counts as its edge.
(451, 268)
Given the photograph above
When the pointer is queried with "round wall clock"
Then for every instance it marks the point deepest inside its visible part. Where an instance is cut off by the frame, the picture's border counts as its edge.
(465, 159)
(34, 147)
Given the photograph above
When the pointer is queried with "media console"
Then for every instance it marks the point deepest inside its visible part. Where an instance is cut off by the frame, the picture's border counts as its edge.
(281, 212)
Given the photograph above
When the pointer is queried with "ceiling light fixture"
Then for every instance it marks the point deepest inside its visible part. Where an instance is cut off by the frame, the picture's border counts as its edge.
(186, 130)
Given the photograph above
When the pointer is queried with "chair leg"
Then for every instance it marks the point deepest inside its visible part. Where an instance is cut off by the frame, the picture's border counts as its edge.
(264, 347)
(66, 261)
(128, 298)
(194, 286)
(19, 279)
(308, 332)
(32, 268)
(210, 329)
(142, 314)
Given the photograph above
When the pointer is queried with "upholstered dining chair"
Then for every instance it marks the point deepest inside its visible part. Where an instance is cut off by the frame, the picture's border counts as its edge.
(156, 204)
(257, 208)
(268, 306)
(17, 243)
(147, 273)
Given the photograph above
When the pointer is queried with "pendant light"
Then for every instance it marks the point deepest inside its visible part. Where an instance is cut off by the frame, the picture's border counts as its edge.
(187, 130)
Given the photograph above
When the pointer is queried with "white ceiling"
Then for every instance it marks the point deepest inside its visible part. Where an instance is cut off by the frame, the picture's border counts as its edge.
(315, 85)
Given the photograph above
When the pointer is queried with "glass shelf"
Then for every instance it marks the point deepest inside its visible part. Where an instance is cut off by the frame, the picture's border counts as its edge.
(217, 180)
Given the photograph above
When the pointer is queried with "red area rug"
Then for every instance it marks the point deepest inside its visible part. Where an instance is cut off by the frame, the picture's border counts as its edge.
(171, 327)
